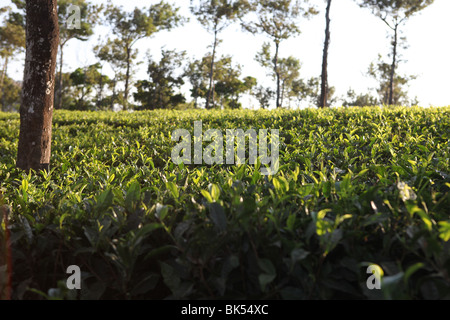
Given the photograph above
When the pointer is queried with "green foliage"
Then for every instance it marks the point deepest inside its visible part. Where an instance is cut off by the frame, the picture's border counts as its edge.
(230, 88)
(12, 34)
(112, 52)
(264, 96)
(277, 19)
(309, 90)
(142, 23)
(159, 92)
(397, 9)
(129, 28)
(393, 13)
(83, 82)
(381, 72)
(292, 87)
(217, 15)
(359, 100)
(12, 42)
(227, 85)
(356, 186)
(10, 95)
(89, 16)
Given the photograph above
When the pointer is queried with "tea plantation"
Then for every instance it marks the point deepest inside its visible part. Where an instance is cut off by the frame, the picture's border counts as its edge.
(356, 187)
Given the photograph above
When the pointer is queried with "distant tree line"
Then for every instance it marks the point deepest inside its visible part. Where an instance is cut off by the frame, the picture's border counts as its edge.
(216, 81)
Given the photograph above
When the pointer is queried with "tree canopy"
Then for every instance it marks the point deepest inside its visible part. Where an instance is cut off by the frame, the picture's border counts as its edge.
(279, 21)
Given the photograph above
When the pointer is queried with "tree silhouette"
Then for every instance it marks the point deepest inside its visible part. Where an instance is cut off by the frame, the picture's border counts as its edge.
(394, 13)
(215, 16)
(279, 21)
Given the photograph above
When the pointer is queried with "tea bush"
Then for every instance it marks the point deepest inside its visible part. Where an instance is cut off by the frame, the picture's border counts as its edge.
(356, 187)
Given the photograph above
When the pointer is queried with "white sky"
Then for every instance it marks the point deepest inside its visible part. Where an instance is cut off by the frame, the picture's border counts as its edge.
(357, 37)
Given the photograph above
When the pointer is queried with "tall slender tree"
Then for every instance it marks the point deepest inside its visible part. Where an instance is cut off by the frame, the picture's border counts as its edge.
(228, 86)
(130, 27)
(323, 102)
(112, 53)
(12, 41)
(279, 21)
(159, 92)
(394, 13)
(288, 70)
(215, 16)
(381, 72)
(72, 29)
(36, 110)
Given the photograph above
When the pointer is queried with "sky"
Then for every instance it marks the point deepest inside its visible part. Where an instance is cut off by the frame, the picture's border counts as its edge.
(357, 38)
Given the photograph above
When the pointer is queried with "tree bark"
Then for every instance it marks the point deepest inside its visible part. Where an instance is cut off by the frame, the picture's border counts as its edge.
(324, 87)
(36, 110)
(127, 79)
(60, 80)
(113, 98)
(2, 82)
(210, 98)
(393, 66)
(277, 73)
(5, 68)
(100, 89)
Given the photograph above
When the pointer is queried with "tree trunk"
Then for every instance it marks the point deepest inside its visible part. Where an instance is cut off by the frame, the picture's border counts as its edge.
(277, 73)
(2, 82)
(210, 98)
(113, 94)
(2, 79)
(324, 87)
(393, 66)
(5, 67)
(100, 89)
(60, 80)
(36, 110)
(127, 79)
